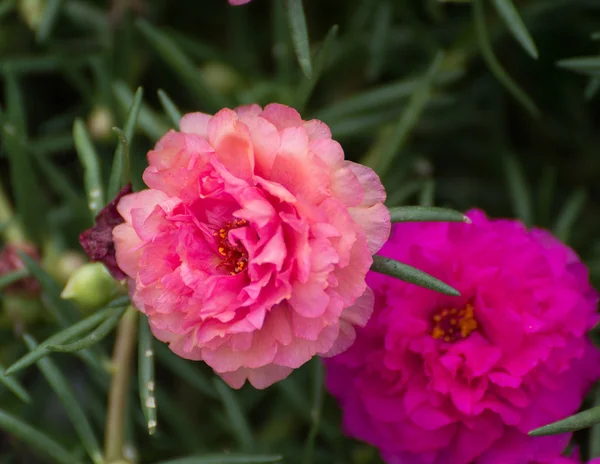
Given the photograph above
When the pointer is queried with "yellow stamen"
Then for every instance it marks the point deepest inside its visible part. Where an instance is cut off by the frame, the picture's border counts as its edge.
(451, 329)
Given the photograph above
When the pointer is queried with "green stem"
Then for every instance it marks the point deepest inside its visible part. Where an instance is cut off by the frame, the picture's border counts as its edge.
(12, 231)
(114, 434)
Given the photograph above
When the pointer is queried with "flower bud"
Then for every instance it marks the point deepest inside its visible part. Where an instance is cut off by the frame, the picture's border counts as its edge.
(220, 77)
(91, 286)
(62, 265)
(31, 11)
(100, 123)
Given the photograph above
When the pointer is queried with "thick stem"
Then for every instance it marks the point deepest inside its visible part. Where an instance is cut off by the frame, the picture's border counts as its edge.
(114, 434)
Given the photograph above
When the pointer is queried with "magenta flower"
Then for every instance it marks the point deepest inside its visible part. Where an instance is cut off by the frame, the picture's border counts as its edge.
(250, 249)
(434, 379)
(567, 460)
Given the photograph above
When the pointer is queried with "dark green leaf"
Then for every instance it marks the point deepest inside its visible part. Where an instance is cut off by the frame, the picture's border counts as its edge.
(411, 275)
(25, 185)
(186, 370)
(12, 277)
(61, 387)
(382, 160)
(182, 65)
(87, 15)
(519, 190)
(318, 374)
(375, 98)
(509, 14)
(588, 65)
(14, 386)
(496, 68)
(59, 182)
(569, 214)
(380, 40)
(119, 175)
(40, 64)
(49, 18)
(237, 418)
(322, 59)
(297, 24)
(573, 423)
(97, 335)
(594, 448)
(91, 166)
(171, 110)
(591, 89)
(282, 47)
(426, 214)
(63, 310)
(427, 195)
(6, 7)
(546, 194)
(66, 335)
(362, 124)
(38, 441)
(149, 122)
(226, 459)
(146, 375)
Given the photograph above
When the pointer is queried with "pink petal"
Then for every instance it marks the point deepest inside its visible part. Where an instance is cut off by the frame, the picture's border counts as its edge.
(282, 116)
(128, 247)
(195, 123)
(232, 143)
(309, 299)
(375, 221)
(145, 201)
(260, 378)
(346, 187)
(317, 130)
(374, 191)
(265, 140)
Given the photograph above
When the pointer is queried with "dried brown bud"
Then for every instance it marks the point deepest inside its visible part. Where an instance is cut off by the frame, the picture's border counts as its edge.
(98, 243)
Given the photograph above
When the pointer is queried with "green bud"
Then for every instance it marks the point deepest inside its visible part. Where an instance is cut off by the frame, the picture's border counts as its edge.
(100, 123)
(220, 77)
(91, 287)
(62, 265)
(31, 11)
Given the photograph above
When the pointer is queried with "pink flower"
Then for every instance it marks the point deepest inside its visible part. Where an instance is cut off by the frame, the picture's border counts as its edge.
(250, 249)
(434, 379)
(239, 2)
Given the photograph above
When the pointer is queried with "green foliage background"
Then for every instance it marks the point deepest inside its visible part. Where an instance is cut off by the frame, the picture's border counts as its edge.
(483, 124)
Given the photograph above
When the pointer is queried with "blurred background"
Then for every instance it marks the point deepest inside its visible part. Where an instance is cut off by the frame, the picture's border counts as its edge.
(453, 103)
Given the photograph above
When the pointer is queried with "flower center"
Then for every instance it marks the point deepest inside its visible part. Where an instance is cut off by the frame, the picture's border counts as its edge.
(452, 324)
(234, 258)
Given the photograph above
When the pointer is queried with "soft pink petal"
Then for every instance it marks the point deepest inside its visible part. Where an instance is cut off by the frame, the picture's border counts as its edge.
(195, 123)
(372, 186)
(375, 222)
(144, 201)
(128, 245)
